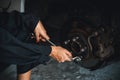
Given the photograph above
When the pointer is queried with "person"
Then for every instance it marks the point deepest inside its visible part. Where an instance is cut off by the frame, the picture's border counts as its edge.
(16, 49)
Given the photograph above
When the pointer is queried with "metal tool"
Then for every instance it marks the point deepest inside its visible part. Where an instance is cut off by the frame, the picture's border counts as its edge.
(72, 59)
(51, 42)
(32, 36)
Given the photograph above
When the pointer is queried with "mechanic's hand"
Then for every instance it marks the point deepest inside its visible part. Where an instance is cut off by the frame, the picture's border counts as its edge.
(40, 33)
(60, 54)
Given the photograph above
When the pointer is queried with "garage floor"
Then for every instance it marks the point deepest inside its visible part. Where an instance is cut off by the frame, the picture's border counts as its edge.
(67, 71)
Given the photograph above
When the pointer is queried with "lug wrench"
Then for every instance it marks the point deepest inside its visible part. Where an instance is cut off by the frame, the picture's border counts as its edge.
(72, 59)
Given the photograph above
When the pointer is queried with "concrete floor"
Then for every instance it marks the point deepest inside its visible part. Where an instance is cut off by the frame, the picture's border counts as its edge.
(67, 71)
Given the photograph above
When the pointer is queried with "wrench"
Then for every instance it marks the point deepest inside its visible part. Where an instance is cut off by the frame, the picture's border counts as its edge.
(72, 59)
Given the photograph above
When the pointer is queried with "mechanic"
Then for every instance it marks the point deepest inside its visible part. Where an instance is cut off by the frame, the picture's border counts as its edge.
(16, 49)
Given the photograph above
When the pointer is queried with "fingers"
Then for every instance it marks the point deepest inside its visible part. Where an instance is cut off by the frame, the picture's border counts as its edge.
(45, 36)
(66, 55)
(56, 57)
(37, 37)
(66, 58)
(69, 54)
(41, 38)
(60, 54)
(40, 32)
(61, 58)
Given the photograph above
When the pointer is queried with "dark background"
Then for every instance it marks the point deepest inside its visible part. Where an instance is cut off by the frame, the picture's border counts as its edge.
(55, 13)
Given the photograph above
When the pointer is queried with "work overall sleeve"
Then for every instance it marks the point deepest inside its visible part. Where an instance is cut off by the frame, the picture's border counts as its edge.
(13, 48)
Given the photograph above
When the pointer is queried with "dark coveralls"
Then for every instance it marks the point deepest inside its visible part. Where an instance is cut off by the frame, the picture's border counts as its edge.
(14, 46)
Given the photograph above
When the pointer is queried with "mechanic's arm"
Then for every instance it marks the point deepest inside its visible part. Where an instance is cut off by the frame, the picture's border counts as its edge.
(58, 53)
(18, 50)
(14, 51)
